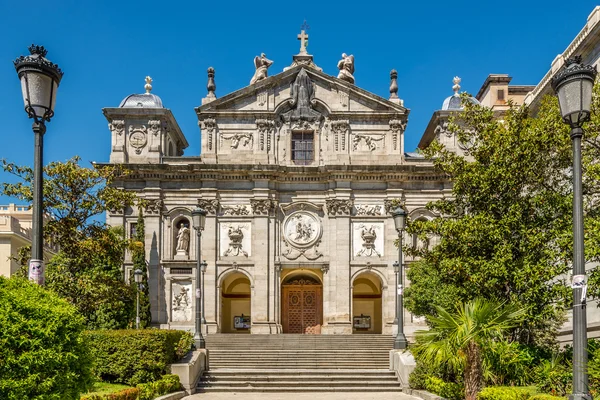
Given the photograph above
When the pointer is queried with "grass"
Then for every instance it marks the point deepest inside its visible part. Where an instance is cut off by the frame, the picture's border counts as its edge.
(102, 388)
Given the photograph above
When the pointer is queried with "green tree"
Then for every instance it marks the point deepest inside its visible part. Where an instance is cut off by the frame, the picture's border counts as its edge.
(74, 199)
(43, 353)
(88, 269)
(505, 233)
(139, 262)
(457, 340)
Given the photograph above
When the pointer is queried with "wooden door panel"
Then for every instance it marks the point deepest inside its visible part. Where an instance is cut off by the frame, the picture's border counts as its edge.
(302, 309)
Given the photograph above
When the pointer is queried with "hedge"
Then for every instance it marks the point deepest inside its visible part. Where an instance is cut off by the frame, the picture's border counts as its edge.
(168, 384)
(136, 356)
(447, 390)
(513, 393)
(144, 391)
(43, 353)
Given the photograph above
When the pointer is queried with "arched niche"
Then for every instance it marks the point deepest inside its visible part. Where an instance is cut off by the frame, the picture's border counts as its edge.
(367, 307)
(235, 303)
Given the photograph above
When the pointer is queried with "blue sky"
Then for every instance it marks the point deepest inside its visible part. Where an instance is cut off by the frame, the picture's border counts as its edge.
(106, 48)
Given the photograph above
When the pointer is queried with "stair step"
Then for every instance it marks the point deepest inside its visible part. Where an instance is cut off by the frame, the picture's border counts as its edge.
(301, 389)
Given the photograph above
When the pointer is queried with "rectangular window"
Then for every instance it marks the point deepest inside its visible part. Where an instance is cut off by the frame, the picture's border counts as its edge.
(303, 148)
(132, 229)
(501, 95)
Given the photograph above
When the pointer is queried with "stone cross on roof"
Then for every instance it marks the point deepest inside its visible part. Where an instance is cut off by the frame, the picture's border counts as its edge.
(303, 38)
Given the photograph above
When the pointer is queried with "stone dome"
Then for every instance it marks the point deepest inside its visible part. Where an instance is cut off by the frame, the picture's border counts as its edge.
(144, 100)
(454, 102)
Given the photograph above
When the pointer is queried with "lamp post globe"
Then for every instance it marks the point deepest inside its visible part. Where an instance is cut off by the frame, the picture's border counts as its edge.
(573, 86)
(199, 221)
(39, 83)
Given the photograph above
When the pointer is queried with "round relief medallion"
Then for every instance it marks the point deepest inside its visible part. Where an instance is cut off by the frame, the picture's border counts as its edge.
(302, 229)
(137, 139)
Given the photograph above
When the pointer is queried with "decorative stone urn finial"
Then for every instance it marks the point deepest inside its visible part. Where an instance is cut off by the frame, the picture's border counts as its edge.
(456, 86)
(211, 86)
(148, 85)
(394, 84)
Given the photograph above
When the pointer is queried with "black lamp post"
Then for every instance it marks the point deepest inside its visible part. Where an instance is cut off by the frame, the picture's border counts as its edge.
(400, 341)
(137, 275)
(199, 220)
(39, 83)
(574, 85)
(203, 267)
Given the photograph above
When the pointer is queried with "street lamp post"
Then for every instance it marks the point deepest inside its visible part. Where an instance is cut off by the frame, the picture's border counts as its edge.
(39, 82)
(199, 220)
(400, 341)
(573, 86)
(203, 267)
(137, 275)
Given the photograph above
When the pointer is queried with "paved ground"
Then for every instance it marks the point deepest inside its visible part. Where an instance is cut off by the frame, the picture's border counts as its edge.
(303, 396)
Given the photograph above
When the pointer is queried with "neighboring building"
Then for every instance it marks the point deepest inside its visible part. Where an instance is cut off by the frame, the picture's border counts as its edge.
(15, 232)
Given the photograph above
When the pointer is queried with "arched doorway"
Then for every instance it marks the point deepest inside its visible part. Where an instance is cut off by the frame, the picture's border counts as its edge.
(366, 304)
(302, 304)
(235, 303)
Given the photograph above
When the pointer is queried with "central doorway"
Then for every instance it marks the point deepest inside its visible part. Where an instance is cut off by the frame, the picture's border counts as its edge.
(302, 305)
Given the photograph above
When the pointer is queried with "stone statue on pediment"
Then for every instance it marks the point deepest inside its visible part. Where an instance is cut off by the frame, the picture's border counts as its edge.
(261, 64)
(346, 67)
(302, 99)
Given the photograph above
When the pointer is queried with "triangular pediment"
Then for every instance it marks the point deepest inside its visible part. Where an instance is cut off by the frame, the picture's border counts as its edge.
(273, 94)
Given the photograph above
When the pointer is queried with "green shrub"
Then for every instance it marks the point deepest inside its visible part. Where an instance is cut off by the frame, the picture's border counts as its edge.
(92, 397)
(448, 390)
(505, 393)
(554, 377)
(422, 371)
(125, 394)
(135, 356)
(167, 384)
(43, 354)
(508, 363)
(546, 397)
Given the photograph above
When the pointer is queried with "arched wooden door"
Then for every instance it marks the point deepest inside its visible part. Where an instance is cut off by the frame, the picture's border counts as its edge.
(302, 308)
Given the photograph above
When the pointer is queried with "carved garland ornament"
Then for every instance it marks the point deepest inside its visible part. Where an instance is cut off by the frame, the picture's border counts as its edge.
(210, 206)
(370, 141)
(239, 209)
(397, 127)
(262, 207)
(117, 127)
(209, 125)
(265, 127)
(153, 206)
(237, 139)
(372, 210)
(339, 129)
(339, 207)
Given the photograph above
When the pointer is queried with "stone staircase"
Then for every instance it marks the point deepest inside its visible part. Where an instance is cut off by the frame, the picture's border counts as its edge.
(299, 363)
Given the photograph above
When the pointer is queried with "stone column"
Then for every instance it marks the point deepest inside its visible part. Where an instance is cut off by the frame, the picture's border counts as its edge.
(153, 237)
(339, 307)
(262, 243)
(210, 248)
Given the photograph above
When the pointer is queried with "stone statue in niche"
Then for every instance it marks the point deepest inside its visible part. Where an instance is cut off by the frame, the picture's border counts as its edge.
(183, 241)
(182, 306)
(236, 236)
(346, 67)
(303, 99)
(261, 64)
(368, 236)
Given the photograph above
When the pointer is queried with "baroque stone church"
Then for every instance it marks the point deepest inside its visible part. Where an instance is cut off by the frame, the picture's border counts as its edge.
(297, 173)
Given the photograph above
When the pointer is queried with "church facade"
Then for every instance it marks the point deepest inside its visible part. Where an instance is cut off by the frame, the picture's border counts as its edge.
(298, 172)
